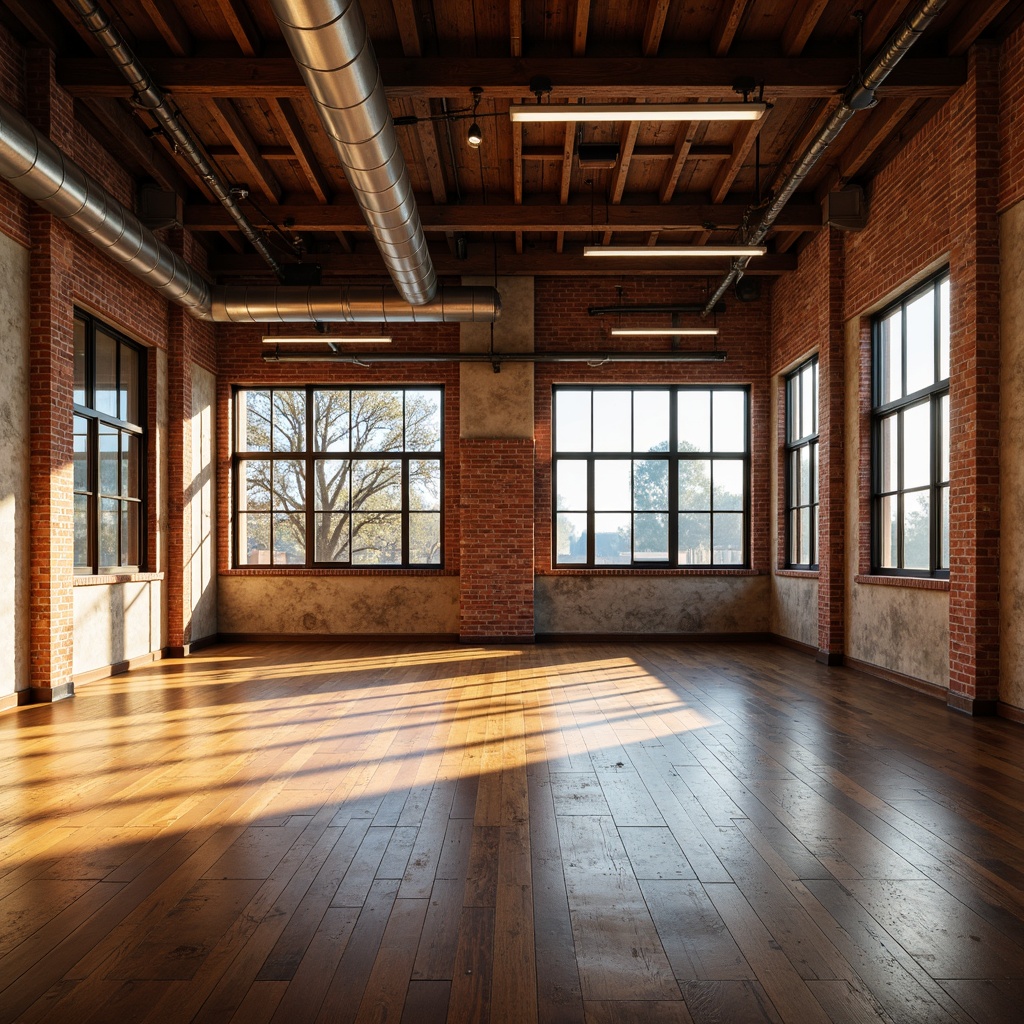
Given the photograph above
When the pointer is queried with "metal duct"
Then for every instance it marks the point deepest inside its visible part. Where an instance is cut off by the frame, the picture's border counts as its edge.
(859, 95)
(149, 95)
(330, 44)
(39, 170)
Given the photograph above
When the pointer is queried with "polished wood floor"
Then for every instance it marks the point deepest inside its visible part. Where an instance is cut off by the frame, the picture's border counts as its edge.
(562, 834)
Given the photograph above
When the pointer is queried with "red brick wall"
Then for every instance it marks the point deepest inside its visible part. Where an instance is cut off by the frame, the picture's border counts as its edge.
(1011, 120)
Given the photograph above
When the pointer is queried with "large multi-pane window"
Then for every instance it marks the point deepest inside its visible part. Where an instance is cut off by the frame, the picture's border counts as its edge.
(802, 466)
(109, 449)
(338, 476)
(910, 466)
(654, 476)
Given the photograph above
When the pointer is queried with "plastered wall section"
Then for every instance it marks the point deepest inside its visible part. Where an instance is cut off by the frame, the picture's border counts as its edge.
(201, 497)
(1011, 465)
(14, 469)
(898, 628)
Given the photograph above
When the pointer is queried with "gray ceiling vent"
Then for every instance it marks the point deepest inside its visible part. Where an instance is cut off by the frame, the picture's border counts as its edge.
(847, 209)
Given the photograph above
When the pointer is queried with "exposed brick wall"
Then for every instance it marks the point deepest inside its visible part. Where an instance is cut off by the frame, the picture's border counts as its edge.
(1011, 119)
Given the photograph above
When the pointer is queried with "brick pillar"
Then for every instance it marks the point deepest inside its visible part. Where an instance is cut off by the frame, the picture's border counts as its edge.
(974, 388)
(179, 447)
(51, 376)
(832, 465)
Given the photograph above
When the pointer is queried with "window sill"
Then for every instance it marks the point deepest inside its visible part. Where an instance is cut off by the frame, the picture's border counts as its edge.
(914, 582)
(798, 574)
(370, 570)
(106, 579)
(629, 570)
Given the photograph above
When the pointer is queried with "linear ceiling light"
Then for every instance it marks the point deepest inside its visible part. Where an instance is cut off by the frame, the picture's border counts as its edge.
(319, 339)
(665, 332)
(638, 112)
(674, 250)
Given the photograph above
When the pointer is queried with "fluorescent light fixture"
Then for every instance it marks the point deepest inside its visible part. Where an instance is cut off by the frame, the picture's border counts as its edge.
(319, 339)
(665, 332)
(674, 250)
(638, 112)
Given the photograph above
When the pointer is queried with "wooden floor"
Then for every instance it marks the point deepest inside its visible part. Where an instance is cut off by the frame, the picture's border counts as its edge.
(589, 833)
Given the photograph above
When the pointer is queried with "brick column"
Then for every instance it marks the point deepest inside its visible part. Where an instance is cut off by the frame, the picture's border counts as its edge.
(179, 447)
(974, 388)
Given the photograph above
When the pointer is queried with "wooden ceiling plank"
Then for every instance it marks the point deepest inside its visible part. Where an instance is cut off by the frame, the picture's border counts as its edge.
(657, 11)
(801, 24)
(241, 25)
(581, 23)
(729, 17)
(741, 147)
(231, 121)
(431, 150)
(972, 21)
(169, 23)
(515, 24)
(874, 132)
(684, 143)
(291, 125)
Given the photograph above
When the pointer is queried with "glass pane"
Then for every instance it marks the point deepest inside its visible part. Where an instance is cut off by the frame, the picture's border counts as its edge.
(253, 421)
(805, 536)
(612, 410)
(916, 532)
(793, 549)
(289, 538)
(330, 484)
(808, 421)
(425, 538)
(693, 410)
(377, 485)
(793, 408)
(129, 392)
(110, 547)
(330, 421)
(612, 484)
(694, 539)
(81, 427)
(572, 421)
(890, 336)
(423, 420)
(289, 421)
(694, 485)
(425, 485)
(105, 398)
(254, 538)
(289, 486)
(944, 527)
(80, 364)
(944, 438)
(728, 528)
(570, 538)
(917, 445)
(82, 531)
(728, 421)
(131, 466)
(612, 538)
(728, 475)
(921, 342)
(650, 536)
(376, 538)
(887, 532)
(377, 421)
(944, 329)
(650, 421)
(331, 541)
(650, 485)
(570, 484)
(254, 486)
(814, 533)
(108, 460)
(888, 450)
(813, 493)
(804, 458)
(130, 533)
(796, 496)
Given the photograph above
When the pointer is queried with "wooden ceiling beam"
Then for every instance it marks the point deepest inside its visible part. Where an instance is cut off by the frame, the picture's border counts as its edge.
(681, 150)
(729, 17)
(42, 24)
(621, 169)
(801, 24)
(740, 148)
(594, 79)
(289, 122)
(654, 25)
(241, 25)
(877, 127)
(408, 29)
(972, 21)
(515, 26)
(568, 145)
(426, 132)
(169, 23)
(639, 152)
(234, 127)
(518, 155)
(580, 24)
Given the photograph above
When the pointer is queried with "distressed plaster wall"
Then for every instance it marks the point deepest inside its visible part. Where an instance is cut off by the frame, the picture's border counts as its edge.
(14, 469)
(795, 609)
(291, 605)
(651, 604)
(201, 498)
(1011, 463)
(117, 622)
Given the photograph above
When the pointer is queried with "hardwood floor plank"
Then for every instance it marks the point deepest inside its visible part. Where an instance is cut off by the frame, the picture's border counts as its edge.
(637, 1012)
(427, 1002)
(470, 998)
(384, 996)
(435, 958)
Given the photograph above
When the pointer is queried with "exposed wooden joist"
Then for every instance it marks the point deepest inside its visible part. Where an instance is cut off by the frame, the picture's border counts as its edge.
(639, 152)
(568, 144)
(682, 148)
(880, 20)
(802, 21)
(169, 23)
(517, 162)
(581, 23)
(426, 132)
(729, 17)
(654, 25)
(626, 142)
(408, 29)
(975, 17)
(636, 214)
(242, 27)
(875, 130)
(231, 121)
(595, 79)
(515, 25)
(291, 125)
(41, 23)
(745, 137)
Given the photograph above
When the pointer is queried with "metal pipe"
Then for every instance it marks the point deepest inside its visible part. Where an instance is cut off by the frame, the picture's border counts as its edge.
(593, 358)
(149, 95)
(331, 45)
(687, 307)
(859, 95)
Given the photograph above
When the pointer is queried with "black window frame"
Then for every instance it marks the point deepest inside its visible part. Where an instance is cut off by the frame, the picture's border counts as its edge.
(673, 456)
(794, 446)
(935, 397)
(95, 420)
(310, 456)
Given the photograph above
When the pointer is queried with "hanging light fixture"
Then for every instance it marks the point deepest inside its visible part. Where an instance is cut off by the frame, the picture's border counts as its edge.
(638, 112)
(474, 137)
(674, 250)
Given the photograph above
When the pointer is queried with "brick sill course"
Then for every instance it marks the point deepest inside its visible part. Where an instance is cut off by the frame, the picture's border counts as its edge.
(915, 582)
(106, 579)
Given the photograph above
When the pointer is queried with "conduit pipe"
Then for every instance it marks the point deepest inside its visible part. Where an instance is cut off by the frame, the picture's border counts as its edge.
(494, 358)
(331, 45)
(149, 95)
(859, 95)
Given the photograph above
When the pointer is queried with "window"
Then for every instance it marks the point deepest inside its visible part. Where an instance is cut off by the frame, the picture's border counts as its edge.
(802, 466)
(651, 476)
(338, 476)
(910, 436)
(109, 450)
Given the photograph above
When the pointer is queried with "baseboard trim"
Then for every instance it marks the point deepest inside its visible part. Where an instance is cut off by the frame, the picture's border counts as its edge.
(910, 682)
(337, 638)
(118, 668)
(972, 707)
(1011, 713)
(652, 638)
(192, 646)
(796, 645)
(51, 694)
(489, 641)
